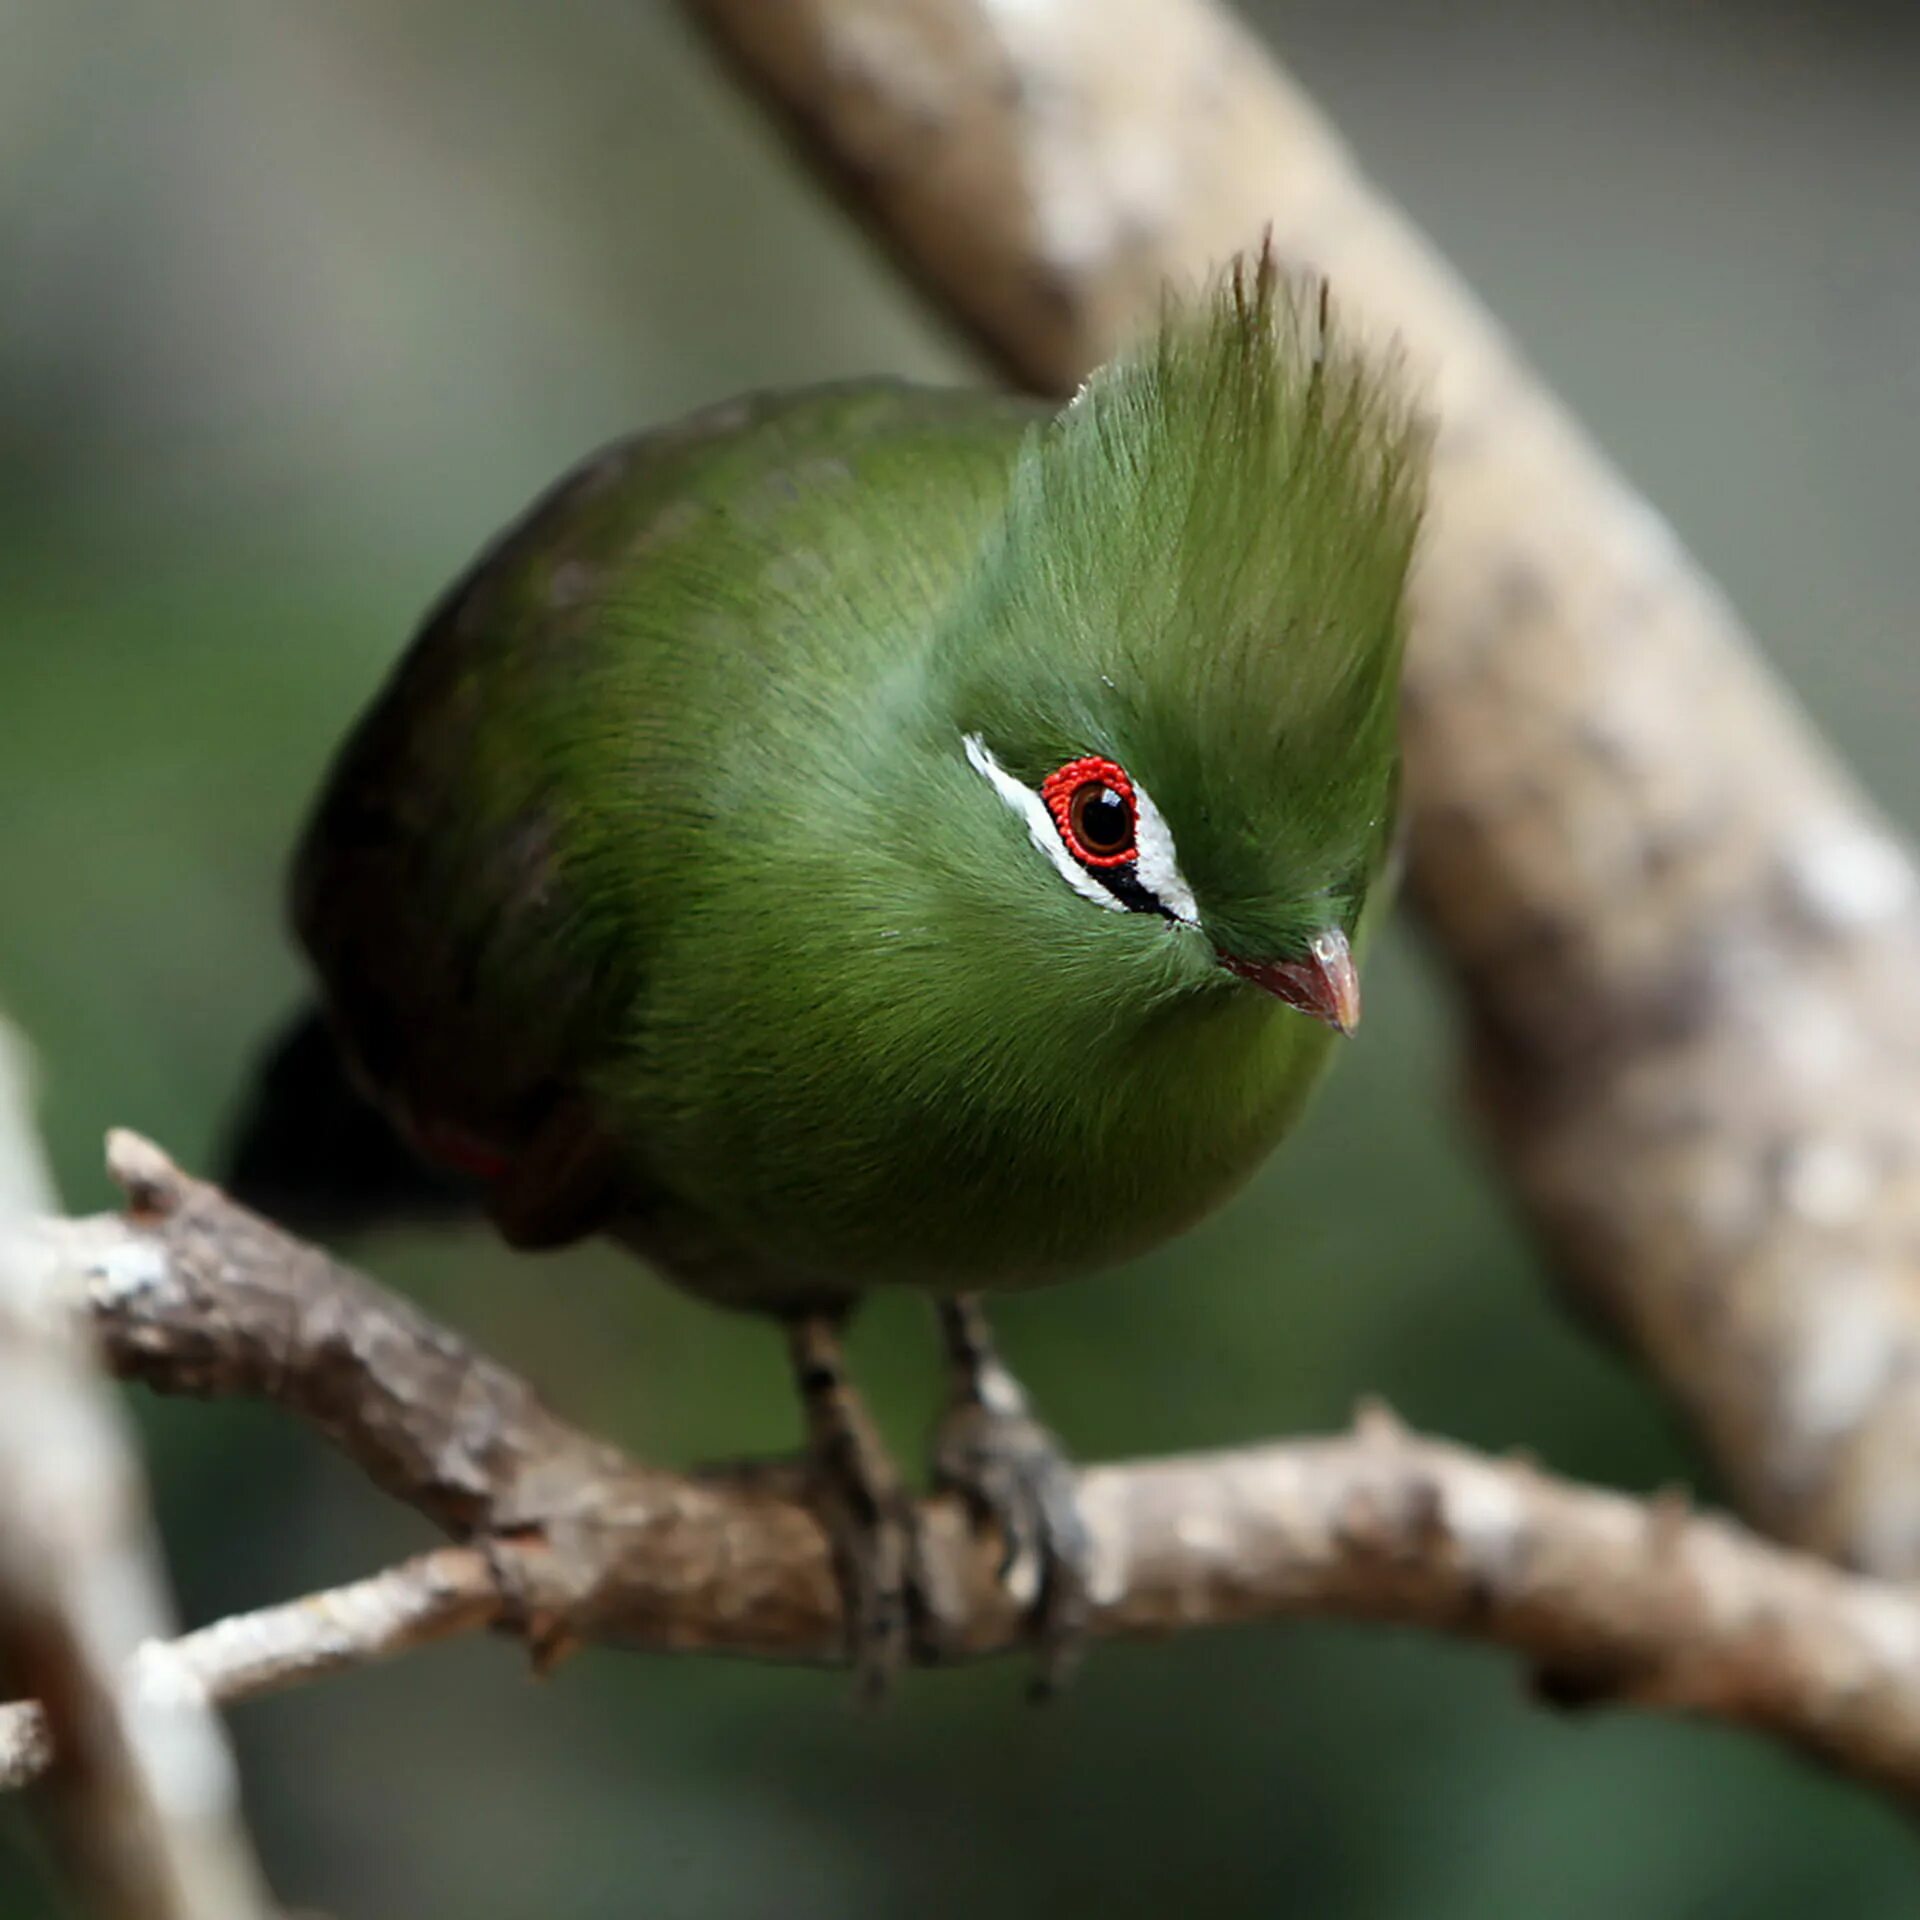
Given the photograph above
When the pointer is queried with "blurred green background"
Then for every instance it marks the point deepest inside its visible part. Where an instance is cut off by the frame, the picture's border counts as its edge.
(299, 299)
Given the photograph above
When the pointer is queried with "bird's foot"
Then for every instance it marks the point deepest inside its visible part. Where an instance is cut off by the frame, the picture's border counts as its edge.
(870, 1518)
(1015, 1476)
(874, 1531)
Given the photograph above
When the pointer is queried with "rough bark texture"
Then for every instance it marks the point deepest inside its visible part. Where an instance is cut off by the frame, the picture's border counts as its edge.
(1605, 1597)
(1690, 950)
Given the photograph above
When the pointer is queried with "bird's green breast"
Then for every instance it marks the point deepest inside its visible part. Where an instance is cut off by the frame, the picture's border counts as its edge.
(885, 1123)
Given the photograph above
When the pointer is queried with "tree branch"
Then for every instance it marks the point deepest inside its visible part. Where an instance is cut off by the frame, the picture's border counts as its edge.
(145, 1791)
(566, 1539)
(1690, 950)
(450, 1591)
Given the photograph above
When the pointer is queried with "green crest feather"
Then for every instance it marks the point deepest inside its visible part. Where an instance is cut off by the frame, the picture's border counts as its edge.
(1200, 573)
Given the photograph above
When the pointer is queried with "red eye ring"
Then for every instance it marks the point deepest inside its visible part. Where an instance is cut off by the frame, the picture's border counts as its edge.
(1073, 791)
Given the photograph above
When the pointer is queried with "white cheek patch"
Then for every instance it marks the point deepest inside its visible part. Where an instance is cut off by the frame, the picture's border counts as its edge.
(1156, 868)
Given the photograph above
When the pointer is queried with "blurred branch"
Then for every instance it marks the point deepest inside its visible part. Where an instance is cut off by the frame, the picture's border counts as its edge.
(26, 1187)
(144, 1790)
(567, 1540)
(1690, 951)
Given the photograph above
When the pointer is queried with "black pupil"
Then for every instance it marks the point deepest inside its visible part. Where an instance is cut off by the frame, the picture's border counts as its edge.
(1105, 822)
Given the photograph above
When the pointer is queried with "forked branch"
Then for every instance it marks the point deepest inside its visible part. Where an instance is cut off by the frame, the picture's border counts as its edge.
(565, 1539)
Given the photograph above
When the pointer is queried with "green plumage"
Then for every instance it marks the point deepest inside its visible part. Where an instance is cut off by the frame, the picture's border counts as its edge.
(660, 881)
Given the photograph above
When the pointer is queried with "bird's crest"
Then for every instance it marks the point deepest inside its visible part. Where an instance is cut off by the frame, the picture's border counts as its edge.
(1201, 573)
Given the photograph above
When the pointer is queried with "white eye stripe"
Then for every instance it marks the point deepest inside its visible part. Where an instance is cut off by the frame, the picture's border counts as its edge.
(1156, 869)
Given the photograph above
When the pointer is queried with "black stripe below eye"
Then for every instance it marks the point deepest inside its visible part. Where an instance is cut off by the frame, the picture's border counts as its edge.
(1126, 886)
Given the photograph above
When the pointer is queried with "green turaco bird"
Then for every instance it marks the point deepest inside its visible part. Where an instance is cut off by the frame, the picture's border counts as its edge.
(875, 837)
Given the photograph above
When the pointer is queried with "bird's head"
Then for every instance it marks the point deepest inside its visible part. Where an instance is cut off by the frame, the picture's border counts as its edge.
(1179, 670)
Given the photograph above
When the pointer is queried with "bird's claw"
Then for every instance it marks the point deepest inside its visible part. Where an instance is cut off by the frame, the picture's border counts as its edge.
(875, 1535)
(1013, 1474)
(874, 1532)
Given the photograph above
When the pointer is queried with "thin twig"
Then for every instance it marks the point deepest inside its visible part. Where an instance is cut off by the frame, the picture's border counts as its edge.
(1605, 1597)
(450, 1591)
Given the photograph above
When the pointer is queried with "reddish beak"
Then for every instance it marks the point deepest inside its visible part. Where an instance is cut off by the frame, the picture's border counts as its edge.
(1325, 984)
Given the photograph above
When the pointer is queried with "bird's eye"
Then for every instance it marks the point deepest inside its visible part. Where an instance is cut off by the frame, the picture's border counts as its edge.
(1103, 835)
(1101, 820)
(1092, 802)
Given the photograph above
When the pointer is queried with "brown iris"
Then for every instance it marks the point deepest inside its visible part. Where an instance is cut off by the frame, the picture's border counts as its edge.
(1101, 820)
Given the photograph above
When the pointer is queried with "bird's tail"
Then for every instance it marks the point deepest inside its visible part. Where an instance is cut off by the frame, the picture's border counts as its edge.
(313, 1154)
